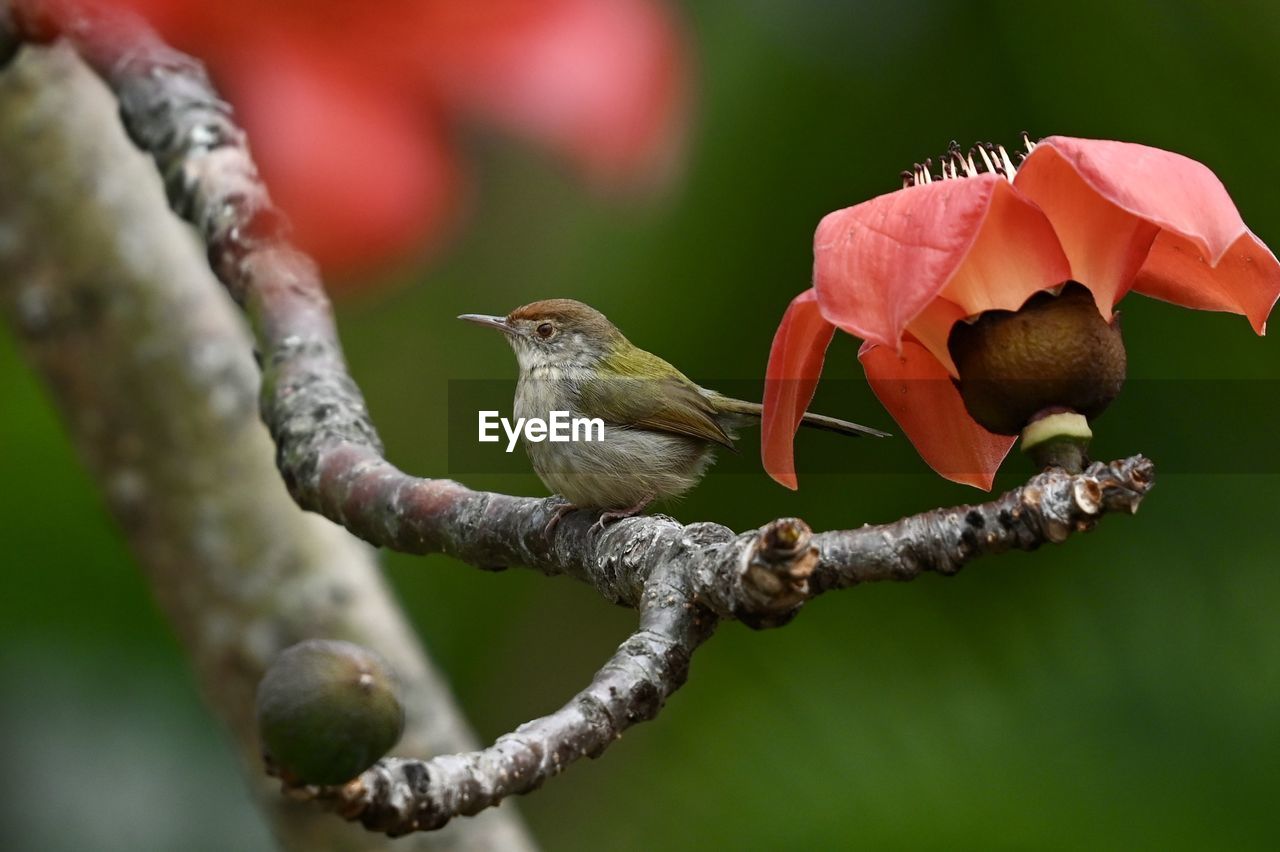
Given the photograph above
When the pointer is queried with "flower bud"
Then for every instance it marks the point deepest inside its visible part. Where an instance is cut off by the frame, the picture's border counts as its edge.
(1055, 353)
(327, 711)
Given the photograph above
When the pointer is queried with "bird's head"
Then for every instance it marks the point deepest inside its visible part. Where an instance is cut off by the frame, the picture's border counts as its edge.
(555, 332)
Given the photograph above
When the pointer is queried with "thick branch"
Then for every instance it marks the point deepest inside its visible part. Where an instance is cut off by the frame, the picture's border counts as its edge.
(785, 562)
(114, 306)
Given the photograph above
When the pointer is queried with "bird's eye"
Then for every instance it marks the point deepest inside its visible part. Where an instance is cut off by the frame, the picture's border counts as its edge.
(545, 330)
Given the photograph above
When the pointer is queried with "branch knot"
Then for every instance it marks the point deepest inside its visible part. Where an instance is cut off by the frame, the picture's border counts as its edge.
(775, 577)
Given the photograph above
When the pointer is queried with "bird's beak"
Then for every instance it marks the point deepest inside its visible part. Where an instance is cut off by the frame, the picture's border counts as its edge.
(499, 323)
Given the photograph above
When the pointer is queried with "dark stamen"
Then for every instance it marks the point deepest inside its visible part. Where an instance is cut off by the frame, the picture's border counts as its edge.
(955, 163)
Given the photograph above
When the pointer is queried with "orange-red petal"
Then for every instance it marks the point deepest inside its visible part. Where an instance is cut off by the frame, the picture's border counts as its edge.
(795, 363)
(878, 265)
(932, 329)
(1245, 281)
(363, 175)
(601, 81)
(918, 392)
(1108, 201)
(1174, 192)
(357, 153)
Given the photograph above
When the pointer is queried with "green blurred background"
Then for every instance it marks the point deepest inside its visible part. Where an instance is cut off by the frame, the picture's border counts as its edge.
(1120, 691)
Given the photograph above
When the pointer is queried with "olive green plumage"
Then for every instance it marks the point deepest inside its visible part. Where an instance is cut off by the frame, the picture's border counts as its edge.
(660, 427)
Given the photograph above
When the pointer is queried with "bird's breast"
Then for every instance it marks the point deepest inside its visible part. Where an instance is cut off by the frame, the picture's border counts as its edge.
(542, 391)
(618, 469)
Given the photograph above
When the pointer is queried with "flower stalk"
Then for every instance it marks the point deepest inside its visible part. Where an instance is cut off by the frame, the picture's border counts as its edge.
(1058, 439)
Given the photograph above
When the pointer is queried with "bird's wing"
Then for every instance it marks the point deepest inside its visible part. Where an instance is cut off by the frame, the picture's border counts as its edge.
(652, 395)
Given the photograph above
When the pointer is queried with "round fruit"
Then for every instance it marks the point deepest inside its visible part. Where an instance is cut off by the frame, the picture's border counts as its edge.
(327, 711)
(1055, 353)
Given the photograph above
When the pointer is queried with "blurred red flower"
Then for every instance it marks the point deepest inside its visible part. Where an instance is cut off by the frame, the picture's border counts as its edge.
(900, 270)
(349, 104)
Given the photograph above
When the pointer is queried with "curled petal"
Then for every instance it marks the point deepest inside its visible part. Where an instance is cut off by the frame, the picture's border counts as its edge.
(1245, 281)
(977, 241)
(1171, 191)
(602, 81)
(795, 363)
(918, 392)
(360, 172)
(1108, 201)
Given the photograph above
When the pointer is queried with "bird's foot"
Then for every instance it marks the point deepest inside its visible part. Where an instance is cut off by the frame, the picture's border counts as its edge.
(613, 515)
(556, 516)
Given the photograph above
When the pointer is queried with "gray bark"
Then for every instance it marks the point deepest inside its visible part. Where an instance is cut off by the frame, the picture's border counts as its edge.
(111, 299)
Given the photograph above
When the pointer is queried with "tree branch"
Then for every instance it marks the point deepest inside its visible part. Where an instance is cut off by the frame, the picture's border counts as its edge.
(398, 796)
(683, 579)
(112, 302)
(782, 563)
(1048, 509)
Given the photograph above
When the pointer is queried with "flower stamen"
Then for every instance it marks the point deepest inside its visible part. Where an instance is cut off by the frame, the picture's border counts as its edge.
(1009, 171)
(956, 164)
(986, 158)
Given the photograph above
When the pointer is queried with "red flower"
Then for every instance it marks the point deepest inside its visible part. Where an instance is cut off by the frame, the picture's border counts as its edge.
(349, 104)
(899, 270)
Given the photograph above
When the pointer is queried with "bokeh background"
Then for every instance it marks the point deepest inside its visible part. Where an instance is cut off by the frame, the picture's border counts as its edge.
(1120, 691)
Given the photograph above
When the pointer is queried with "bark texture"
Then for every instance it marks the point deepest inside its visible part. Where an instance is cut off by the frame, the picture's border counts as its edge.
(112, 300)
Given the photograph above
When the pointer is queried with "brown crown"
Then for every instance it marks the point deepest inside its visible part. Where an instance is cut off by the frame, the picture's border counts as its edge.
(567, 313)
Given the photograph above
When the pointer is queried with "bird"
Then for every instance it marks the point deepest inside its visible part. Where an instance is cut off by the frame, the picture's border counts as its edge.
(660, 429)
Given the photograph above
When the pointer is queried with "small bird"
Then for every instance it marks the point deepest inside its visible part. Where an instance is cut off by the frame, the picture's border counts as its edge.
(660, 429)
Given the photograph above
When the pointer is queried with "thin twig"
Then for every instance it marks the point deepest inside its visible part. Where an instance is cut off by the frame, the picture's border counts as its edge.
(398, 796)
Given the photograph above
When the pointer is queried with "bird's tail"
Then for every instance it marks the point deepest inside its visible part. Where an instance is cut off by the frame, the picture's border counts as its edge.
(753, 410)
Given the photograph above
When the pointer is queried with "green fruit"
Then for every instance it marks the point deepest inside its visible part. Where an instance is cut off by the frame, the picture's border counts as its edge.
(327, 711)
(1055, 353)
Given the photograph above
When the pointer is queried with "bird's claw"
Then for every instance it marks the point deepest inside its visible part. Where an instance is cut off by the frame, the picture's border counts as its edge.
(556, 516)
(607, 518)
(614, 515)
